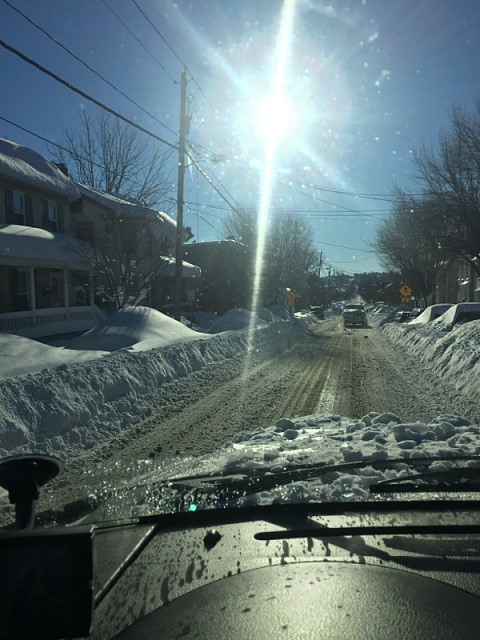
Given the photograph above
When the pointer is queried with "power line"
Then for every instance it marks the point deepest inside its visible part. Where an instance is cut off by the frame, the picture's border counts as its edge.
(70, 86)
(36, 135)
(308, 213)
(318, 213)
(202, 218)
(86, 65)
(59, 146)
(177, 56)
(382, 197)
(288, 183)
(341, 246)
(209, 180)
(140, 43)
(175, 53)
(218, 180)
(353, 261)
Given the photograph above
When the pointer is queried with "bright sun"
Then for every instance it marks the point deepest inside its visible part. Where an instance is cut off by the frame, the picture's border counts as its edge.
(274, 119)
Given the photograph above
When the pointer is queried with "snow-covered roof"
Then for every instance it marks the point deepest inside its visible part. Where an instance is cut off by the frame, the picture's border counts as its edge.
(31, 247)
(28, 166)
(123, 205)
(188, 270)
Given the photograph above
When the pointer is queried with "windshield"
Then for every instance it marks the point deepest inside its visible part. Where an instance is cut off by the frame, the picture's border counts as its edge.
(216, 220)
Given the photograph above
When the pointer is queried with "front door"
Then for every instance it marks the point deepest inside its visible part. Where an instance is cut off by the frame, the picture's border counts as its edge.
(57, 289)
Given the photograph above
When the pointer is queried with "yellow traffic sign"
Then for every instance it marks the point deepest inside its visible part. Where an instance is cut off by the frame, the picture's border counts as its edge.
(405, 290)
(405, 299)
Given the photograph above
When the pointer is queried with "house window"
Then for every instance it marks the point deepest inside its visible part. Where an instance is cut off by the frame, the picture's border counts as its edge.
(52, 216)
(52, 211)
(19, 203)
(18, 207)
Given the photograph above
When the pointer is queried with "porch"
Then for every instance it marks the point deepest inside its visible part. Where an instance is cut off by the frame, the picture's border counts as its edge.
(46, 283)
(39, 323)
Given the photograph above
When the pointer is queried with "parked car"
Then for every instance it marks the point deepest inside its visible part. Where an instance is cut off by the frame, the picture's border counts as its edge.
(415, 312)
(431, 313)
(459, 313)
(384, 308)
(319, 312)
(401, 316)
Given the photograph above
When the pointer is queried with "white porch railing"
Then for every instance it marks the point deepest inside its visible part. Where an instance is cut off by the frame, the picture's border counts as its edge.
(21, 320)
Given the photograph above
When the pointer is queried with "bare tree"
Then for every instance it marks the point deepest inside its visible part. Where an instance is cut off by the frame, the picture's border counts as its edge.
(129, 252)
(450, 177)
(408, 242)
(289, 251)
(241, 225)
(290, 255)
(107, 154)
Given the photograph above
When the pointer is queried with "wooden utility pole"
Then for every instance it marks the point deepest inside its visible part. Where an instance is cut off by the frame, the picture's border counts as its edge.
(183, 131)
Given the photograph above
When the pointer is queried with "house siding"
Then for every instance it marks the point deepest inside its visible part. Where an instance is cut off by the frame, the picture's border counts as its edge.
(34, 206)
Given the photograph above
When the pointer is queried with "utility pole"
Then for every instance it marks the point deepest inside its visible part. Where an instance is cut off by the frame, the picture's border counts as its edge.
(183, 131)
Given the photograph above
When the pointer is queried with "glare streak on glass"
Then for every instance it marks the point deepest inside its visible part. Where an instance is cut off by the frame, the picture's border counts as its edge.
(271, 143)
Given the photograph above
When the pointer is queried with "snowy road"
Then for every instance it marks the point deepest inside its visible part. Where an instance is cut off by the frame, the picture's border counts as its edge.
(326, 370)
(330, 371)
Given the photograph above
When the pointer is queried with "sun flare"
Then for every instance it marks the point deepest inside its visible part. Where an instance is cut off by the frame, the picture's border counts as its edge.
(274, 118)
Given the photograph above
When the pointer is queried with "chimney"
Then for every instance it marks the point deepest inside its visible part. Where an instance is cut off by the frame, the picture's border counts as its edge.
(63, 167)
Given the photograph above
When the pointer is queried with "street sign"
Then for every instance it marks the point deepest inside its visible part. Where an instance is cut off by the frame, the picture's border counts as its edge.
(405, 299)
(405, 290)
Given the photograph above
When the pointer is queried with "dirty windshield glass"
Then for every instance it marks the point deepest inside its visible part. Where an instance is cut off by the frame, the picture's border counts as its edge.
(238, 241)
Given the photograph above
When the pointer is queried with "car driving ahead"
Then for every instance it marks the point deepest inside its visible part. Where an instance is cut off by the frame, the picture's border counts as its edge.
(353, 315)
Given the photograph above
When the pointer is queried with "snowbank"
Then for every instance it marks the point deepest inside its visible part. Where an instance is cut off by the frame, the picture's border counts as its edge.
(83, 404)
(141, 328)
(453, 355)
(236, 319)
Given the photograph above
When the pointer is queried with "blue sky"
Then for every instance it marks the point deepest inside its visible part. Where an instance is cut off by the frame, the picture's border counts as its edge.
(366, 82)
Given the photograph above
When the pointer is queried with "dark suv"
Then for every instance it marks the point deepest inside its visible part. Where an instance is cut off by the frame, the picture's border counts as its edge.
(318, 311)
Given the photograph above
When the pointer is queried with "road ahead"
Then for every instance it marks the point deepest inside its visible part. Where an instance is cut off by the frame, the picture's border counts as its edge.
(332, 371)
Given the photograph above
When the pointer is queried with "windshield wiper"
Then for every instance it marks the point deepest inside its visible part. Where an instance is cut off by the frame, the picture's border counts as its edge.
(233, 485)
(464, 479)
(228, 488)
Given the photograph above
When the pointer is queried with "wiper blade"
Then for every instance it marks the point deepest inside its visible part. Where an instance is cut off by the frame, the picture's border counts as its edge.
(259, 480)
(465, 479)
